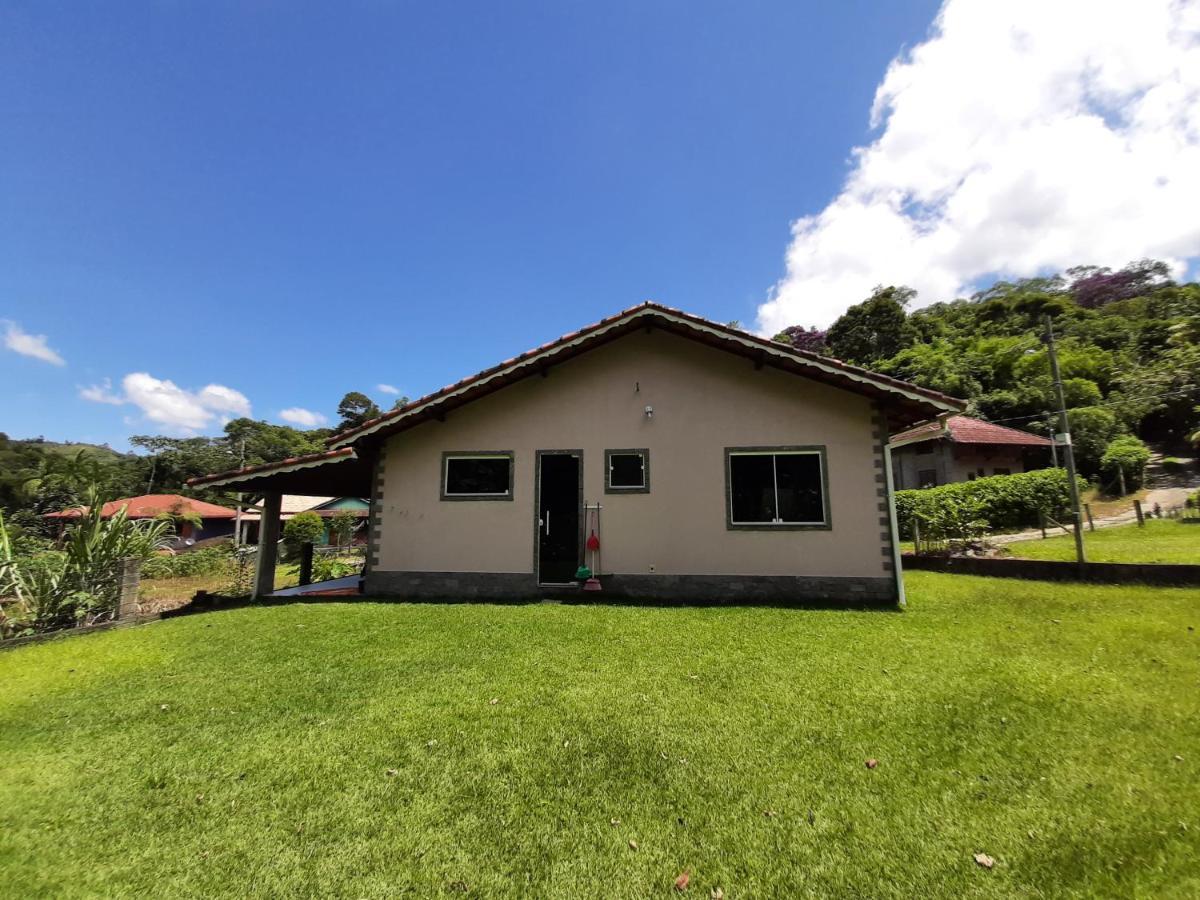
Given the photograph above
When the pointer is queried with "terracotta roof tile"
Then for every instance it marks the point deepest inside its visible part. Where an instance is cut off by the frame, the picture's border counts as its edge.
(150, 505)
(965, 430)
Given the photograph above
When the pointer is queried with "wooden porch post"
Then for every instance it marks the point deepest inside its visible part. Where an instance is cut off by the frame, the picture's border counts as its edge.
(268, 536)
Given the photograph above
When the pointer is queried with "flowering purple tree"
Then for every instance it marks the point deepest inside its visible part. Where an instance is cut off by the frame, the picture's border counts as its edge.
(1093, 287)
(810, 339)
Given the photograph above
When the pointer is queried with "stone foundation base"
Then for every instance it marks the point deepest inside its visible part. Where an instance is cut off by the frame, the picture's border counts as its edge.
(692, 589)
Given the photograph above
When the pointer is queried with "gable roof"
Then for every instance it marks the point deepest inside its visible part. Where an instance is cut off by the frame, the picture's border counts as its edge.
(340, 471)
(148, 506)
(907, 403)
(965, 430)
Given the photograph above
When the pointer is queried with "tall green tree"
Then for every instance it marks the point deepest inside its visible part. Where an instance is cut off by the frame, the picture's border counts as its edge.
(876, 329)
(355, 409)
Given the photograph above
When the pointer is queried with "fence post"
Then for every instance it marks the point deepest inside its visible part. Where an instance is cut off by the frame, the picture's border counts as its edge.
(1042, 523)
(1137, 508)
(130, 576)
(916, 530)
(306, 560)
(1087, 508)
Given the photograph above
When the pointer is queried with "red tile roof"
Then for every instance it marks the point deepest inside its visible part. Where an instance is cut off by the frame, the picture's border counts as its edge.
(965, 430)
(846, 375)
(150, 505)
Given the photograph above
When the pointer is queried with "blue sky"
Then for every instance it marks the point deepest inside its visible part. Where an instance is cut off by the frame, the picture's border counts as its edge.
(291, 201)
(297, 204)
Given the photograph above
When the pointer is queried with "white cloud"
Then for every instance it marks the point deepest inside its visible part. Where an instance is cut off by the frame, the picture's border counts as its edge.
(102, 393)
(18, 340)
(1020, 138)
(165, 403)
(387, 389)
(305, 418)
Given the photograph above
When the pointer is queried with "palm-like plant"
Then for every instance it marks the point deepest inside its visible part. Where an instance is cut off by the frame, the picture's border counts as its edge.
(81, 582)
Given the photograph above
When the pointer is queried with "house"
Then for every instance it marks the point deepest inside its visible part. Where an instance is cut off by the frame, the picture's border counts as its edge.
(727, 467)
(326, 507)
(963, 450)
(215, 521)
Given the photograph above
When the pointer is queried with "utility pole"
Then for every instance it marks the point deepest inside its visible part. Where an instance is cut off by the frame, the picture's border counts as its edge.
(1064, 427)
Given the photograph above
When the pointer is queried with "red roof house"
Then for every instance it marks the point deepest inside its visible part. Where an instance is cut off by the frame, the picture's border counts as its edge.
(964, 450)
(216, 521)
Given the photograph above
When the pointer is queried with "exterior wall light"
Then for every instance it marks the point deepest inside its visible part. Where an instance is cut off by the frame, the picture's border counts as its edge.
(649, 412)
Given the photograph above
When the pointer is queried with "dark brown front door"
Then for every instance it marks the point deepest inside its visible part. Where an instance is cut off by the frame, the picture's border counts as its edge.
(558, 516)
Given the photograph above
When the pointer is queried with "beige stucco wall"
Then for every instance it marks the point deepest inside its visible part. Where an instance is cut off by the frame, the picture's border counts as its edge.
(952, 464)
(704, 401)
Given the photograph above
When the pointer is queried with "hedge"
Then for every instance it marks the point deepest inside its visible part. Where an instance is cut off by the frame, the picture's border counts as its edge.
(205, 561)
(1006, 502)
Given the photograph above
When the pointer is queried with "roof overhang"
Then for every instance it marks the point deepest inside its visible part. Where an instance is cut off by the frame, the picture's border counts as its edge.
(905, 403)
(339, 473)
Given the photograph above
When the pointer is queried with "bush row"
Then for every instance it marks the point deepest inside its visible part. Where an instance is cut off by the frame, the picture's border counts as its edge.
(206, 561)
(1004, 502)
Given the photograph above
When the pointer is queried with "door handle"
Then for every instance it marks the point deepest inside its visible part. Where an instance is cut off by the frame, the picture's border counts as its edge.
(547, 521)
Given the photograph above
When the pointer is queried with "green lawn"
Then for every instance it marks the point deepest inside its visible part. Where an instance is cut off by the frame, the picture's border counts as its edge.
(355, 749)
(1161, 541)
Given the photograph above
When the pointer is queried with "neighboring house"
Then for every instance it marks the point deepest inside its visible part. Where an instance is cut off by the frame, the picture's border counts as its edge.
(964, 450)
(215, 521)
(729, 468)
(325, 507)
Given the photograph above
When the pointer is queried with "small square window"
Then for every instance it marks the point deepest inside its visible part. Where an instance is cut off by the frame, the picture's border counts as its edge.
(627, 471)
(486, 475)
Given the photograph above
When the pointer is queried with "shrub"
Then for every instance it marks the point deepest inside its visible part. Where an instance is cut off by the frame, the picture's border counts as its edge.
(1001, 502)
(302, 528)
(1128, 455)
(327, 568)
(206, 561)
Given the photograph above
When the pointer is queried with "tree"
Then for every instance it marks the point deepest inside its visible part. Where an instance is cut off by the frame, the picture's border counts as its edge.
(303, 528)
(814, 340)
(875, 329)
(401, 402)
(1093, 287)
(1092, 428)
(355, 409)
(1126, 457)
(343, 526)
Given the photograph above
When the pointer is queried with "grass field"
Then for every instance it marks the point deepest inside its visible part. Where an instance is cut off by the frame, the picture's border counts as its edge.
(376, 750)
(1161, 541)
(184, 588)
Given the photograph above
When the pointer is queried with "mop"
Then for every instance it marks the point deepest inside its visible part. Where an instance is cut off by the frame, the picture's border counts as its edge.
(593, 545)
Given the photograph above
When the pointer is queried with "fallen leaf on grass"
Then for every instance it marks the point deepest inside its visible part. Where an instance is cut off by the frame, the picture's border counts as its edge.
(681, 883)
(391, 773)
(614, 822)
(494, 701)
(872, 763)
(633, 845)
(164, 707)
(199, 798)
(769, 813)
(717, 894)
(984, 860)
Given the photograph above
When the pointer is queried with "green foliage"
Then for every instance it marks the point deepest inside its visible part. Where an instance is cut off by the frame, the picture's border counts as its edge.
(355, 409)
(205, 561)
(1129, 342)
(342, 526)
(303, 528)
(1092, 429)
(326, 568)
(1128, 455)
(875, 329)
(996, 503)
(80, 583)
